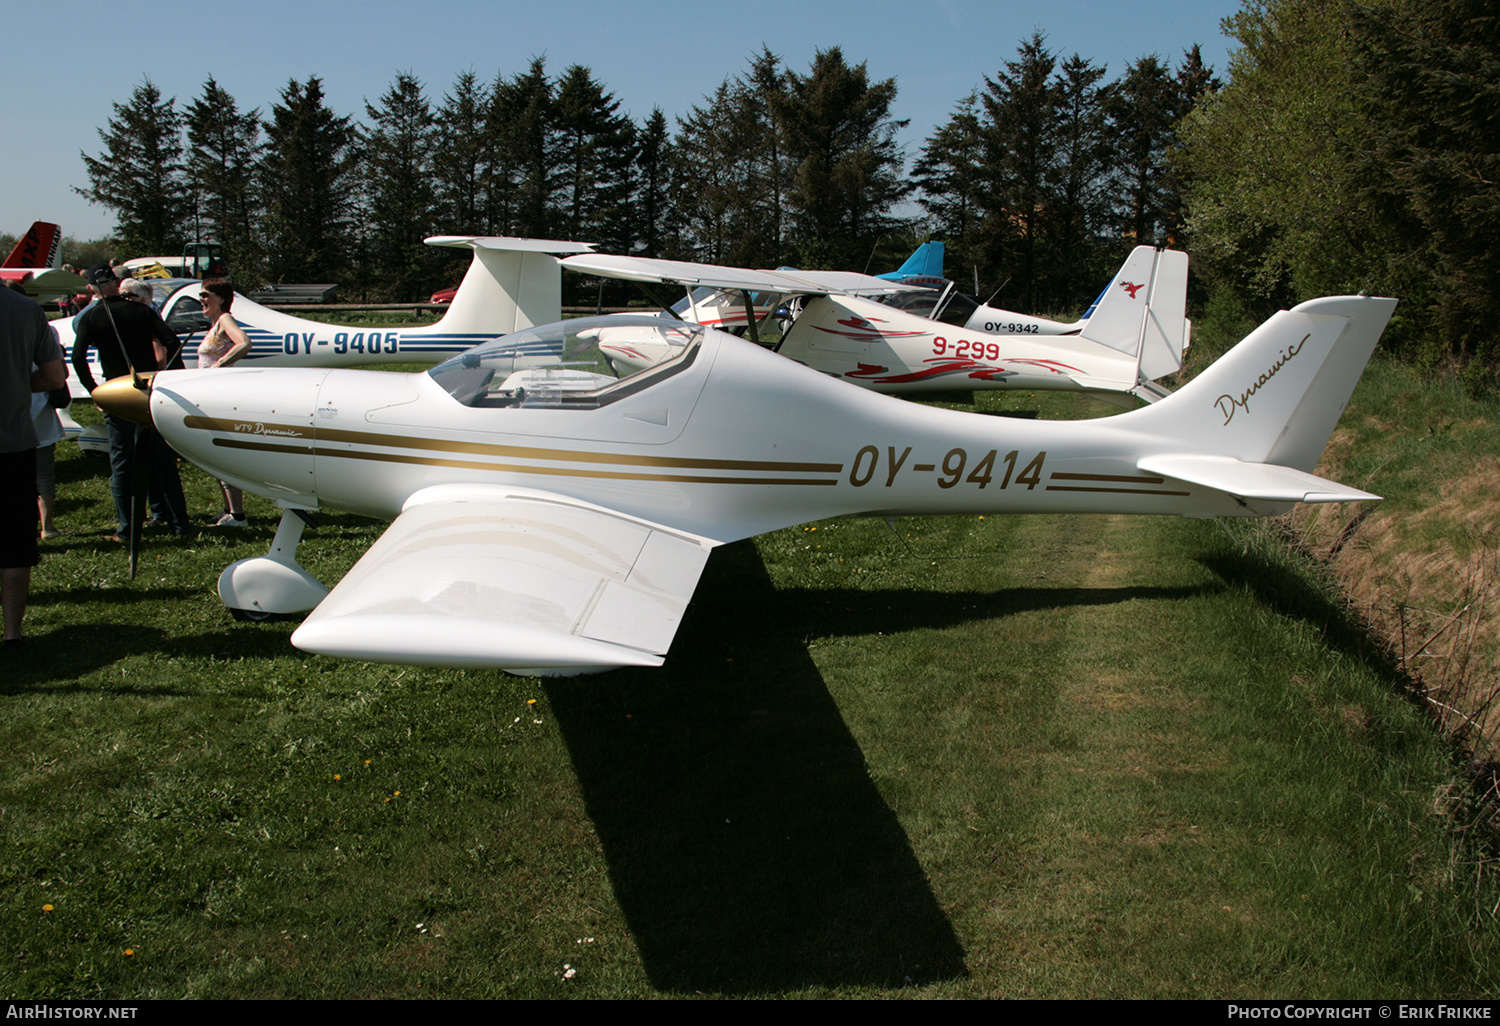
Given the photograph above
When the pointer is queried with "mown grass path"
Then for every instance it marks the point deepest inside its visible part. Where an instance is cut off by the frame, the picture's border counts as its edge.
(1054, 756)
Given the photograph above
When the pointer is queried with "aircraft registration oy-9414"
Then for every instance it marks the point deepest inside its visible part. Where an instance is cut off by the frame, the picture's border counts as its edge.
(890, 336)
(555, 519)
(511, 284)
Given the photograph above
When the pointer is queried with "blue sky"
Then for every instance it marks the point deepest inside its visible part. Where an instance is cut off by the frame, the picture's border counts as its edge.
(61, 67)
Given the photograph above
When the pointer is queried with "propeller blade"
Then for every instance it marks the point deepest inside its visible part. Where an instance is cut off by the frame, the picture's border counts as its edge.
(140, 484)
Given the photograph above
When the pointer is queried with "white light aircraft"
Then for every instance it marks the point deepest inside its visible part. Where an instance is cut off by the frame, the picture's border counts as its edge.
(896, 339)
(511, 284)
(555, 520)
(36, 262)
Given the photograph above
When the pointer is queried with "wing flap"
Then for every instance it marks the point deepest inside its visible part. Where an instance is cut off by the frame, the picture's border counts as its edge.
(525, 583)
(1264, 481)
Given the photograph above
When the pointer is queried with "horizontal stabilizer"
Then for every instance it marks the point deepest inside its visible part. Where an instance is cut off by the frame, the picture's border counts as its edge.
(478, 576)
(511, 284)
(506, 244)
(1264, 481)
(680, 272)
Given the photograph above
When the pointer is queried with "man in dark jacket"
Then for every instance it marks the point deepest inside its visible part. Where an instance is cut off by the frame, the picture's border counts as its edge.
(129, 335)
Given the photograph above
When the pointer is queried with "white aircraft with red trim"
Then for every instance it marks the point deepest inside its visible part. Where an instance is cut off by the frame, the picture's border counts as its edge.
(894, 338)
(36, 262)
(511, 284)
(555, 520)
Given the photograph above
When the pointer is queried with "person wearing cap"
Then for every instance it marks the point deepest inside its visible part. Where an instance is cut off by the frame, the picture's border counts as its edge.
(129, 335)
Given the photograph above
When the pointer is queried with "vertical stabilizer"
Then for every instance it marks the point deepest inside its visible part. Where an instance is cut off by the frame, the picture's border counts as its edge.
(1276, 396)
(926, 260)
(1143, 312)
(40, 247)
(511, 283)
(1164, 335)
(1119, 314)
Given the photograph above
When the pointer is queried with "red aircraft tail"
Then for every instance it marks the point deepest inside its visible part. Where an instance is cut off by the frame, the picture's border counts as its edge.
(40, 247)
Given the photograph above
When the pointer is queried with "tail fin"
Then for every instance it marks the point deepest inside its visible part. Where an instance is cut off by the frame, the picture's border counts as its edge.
(926, 260)
(41, 246)
(1165, 334)
(511, 283)
(1276, 396)
(1142, 312)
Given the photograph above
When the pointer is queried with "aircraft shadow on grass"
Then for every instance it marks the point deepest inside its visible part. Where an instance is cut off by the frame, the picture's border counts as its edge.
(747, 845)
(749, 849)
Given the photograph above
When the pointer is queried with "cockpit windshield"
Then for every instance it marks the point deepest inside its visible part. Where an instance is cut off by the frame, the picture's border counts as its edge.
(580, 364)
(947, 304)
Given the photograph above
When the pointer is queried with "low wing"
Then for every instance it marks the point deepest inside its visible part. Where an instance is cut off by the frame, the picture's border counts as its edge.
(679, 272)
(1263, 481)
(523, 581)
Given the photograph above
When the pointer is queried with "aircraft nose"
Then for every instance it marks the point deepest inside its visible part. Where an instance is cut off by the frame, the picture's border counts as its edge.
(127, 398)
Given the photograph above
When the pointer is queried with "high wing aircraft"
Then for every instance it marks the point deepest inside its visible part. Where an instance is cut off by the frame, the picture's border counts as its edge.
(36, 262)
(725, 308)
(511, 284)
(555, 520)
(897, 339)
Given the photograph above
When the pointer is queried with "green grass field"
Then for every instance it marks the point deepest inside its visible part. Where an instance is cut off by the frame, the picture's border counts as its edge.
(993, 757)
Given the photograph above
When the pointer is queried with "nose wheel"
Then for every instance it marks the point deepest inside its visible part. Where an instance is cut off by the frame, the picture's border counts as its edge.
(273, 586)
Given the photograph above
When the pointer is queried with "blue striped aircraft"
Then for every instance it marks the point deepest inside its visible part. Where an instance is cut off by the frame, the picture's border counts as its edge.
(511, 284)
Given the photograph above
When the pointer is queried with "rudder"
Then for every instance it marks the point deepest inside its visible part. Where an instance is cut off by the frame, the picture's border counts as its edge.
(1277, 395)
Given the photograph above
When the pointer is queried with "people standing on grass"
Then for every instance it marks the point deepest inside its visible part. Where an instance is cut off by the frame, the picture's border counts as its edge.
(25, 342)
(129, 335)
(49, 432)
(225, 344)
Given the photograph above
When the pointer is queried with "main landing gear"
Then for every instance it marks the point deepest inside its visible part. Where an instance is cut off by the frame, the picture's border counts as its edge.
(273, 586)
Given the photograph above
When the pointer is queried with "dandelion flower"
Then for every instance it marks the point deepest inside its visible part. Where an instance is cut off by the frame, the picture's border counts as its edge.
(337, 777)
(129, 951)
(46, 908)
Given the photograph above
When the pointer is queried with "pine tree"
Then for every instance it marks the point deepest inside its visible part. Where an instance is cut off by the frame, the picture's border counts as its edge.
(654, 221)
(1195, 82)
(730, 171)
(224, 148)
(140, 174)
(841, 142)
(1078, 184)
(523, 181)
(461, 157)
(398, 154)
(596, 155)
(306, 174)
(1141, 110)
(707, 183)
(950, 175)
(1019, 130)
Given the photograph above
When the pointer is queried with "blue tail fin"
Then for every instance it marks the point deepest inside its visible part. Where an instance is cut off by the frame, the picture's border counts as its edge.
(925, 260)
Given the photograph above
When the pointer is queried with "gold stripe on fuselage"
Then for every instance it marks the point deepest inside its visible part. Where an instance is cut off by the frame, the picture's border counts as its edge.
(1111, 478)
(513, 468)
(319, 434)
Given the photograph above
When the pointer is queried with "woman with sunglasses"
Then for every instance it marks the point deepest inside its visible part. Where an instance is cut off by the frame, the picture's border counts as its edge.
(225, 344)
